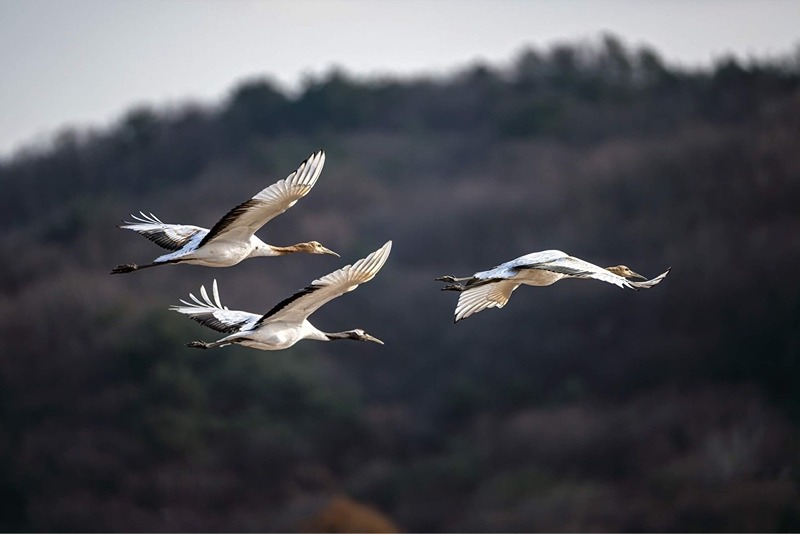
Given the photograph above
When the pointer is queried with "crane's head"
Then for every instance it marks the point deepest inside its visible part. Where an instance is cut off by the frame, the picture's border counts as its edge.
(625, 272)
(355, 335)
(313, 247)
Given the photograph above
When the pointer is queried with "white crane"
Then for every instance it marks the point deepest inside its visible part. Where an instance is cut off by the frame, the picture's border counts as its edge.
(287, 322)
(232, 238)
(493, 288)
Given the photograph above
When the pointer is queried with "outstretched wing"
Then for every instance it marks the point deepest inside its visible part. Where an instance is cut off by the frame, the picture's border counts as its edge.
(241, 222)
(653, 281)
(488, 295)
(299, 306)
(213, 314)
(169, 236)
(579, 268)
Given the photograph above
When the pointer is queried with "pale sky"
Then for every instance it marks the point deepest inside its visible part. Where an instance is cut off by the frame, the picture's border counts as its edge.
(85, 62)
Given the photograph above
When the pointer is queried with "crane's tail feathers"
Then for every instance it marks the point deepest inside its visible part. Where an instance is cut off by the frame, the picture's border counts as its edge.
(189, 307)
(216, 303)
(145, 218)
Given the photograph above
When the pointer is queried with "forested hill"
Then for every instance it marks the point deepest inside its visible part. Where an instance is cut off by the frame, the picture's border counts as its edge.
(576, 407)
(579, 95)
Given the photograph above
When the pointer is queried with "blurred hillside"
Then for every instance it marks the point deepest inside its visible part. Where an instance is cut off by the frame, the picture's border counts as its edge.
(577, 407)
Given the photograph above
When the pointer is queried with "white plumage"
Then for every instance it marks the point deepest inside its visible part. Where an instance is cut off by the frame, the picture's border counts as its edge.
(232, 238)
(287, 322)
(493, 288)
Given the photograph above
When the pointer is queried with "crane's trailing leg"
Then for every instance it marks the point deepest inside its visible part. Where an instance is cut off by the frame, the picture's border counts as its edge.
(471, 282)
(455, 283)
(451, 279)
(454, 287)
(126, 268)
(130, 267)
(212, 345)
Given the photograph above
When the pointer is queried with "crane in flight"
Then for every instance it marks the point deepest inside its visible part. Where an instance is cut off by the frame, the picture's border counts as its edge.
(232, 239)
(287, 322)
(493, 288)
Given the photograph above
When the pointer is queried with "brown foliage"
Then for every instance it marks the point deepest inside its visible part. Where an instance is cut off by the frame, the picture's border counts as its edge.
(343, 514)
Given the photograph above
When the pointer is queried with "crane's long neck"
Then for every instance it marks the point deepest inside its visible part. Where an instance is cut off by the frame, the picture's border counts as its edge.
(355, 335)
(309, 331)
(263, 249)
(347, 334)
(282, 251)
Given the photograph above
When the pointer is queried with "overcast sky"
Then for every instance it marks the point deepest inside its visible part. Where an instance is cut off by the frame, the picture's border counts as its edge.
(84, 62)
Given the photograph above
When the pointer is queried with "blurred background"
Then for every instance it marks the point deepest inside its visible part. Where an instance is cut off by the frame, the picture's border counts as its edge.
(643, 133)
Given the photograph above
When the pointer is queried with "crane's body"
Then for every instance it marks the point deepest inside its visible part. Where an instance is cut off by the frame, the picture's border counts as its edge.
(218, 252)
(276, 335)
(232, 238)
(287, 322)
(493, 288)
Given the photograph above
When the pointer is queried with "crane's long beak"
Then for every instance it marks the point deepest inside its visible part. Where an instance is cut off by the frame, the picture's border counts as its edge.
(367, 337)
(329, 251)
(636, 276)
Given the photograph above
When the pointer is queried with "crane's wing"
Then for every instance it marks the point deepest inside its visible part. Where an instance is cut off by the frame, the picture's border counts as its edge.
(653, 281)
(579, 268)
(169, 236)
(240, 223)
(299, 306)
(488, 295)
(213, 314)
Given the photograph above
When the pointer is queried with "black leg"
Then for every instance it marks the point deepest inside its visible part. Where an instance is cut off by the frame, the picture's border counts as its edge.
(126, 268)
(454, 287)
(130, 267)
